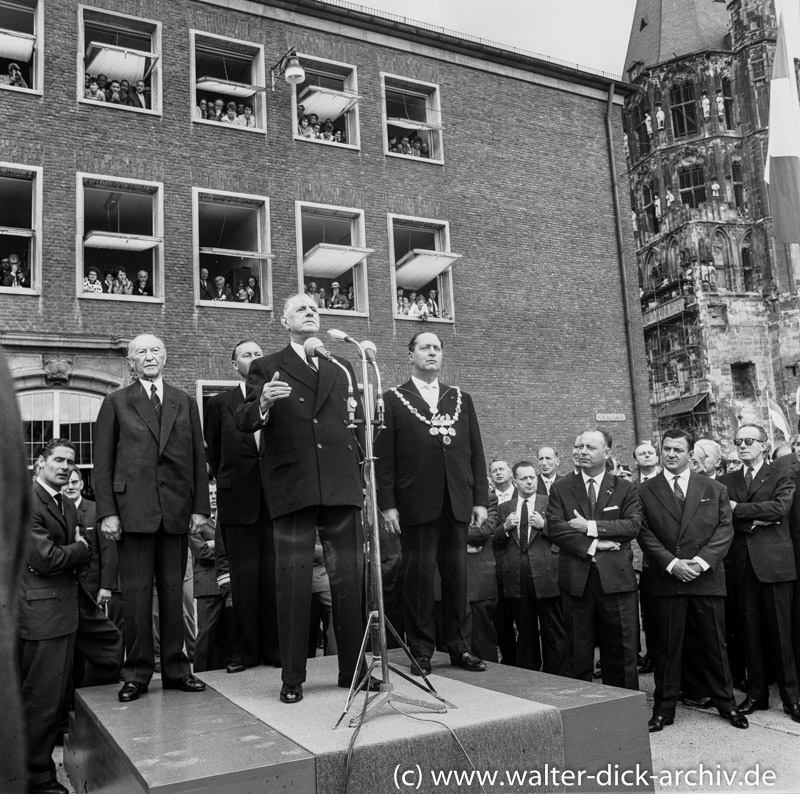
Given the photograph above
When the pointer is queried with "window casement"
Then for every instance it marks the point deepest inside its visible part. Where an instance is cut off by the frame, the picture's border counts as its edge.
(227, 71)
(683, 107)
(21, 45)
(727, 96)
(692, 181)
(652, 206)
(738, 184)
(120, 236)
(328, 97)
(231, 250)
(421, 262)
(20, 228)
(122, 49)
(412, 119)
(332, 257)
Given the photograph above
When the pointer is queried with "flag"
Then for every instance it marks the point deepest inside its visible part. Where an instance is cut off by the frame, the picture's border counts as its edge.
(778, 418)
(782, 171)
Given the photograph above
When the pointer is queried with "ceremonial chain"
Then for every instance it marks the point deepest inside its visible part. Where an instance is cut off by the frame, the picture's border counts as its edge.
(440, 425)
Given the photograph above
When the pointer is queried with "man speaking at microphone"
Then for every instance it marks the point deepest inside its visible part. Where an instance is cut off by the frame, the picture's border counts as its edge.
(298, 398)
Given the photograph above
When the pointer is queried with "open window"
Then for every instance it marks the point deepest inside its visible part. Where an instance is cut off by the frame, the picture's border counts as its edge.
(332, 256)
(412, 119)
(120, 239)
(232, 259)
(121, 60)
(20, 228)
(421, 267)
(326, 103)
(228, 79)
(21, 60)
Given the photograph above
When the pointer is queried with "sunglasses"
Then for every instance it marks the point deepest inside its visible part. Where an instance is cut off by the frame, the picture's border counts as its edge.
(749, 441)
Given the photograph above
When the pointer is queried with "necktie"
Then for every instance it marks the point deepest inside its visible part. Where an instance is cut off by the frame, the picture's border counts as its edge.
(311, 365)
(748, 478)
(59, 502)
(678, 491)
(155, 401)
(592, 494)
(523, 526)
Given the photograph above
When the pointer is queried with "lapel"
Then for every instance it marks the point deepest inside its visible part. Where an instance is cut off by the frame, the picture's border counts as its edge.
(327, 377)
(447, 400)
(758, 480)
(604, 495)
(298, 369)
(697, 487)
(169, 410)
(665, 495)
(411, 393)
(735, 486)
(579, 491)
(144, 408)
(235, 399)
(52, 509)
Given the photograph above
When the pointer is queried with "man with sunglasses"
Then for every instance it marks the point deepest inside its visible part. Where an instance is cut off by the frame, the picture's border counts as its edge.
(761, 568)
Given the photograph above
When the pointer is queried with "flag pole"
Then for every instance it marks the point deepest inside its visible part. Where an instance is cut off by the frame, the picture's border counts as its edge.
(769, 419)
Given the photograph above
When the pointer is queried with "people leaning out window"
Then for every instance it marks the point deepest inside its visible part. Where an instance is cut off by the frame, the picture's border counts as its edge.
(14, 77)
(239, 115)
(91, 281)
(219, 289)
(13, 274)
(309, 126)
(412, 146)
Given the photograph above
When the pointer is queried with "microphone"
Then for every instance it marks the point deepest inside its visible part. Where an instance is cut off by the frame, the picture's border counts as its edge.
(339, 336)
(314, 347)
(369, 350)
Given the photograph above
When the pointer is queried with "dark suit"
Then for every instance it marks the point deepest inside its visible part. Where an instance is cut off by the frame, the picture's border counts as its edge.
(701, 527)
(311, 478)
(530, 581)
(223, 294)
(153, 476)
(205, 290)
(245, 524)
(56, 615)
(138, 100)
(434, 487)
(600, 594)
(761, 569)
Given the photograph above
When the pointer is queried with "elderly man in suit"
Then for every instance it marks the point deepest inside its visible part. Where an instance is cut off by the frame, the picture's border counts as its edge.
(431, 480)
(592, 517)
(311, 477)
(56, 613)
(235, 458)
(686, 532)
(151, 485)
(761, 567)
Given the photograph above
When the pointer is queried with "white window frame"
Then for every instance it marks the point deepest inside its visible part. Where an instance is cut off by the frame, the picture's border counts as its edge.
(37, 58)
(334, 68)
(104, 17)
(35, 265)
(265, 279)
(357, 241)
(444, 280)
(236, 47)
(157, 278)
(210, 387)
(433, 104)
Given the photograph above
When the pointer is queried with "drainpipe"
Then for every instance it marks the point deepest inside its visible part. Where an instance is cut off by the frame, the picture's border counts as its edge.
(637, 425)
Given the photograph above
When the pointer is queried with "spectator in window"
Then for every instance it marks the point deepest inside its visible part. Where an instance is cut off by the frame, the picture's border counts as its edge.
(93, 92)
(5, 268)
(327, 131)
(351, 297)
(240, 109)
(201, 111)
(124, 285)
(102, 82)
(86, 78)
(317, 130)
(125, 87)
(247, 119)
(91, 282)
(393, 147)
(313, 119)
(219, 110)
(433, 303)
(14, 77)
(400, 294)
(230, 114)
(304, 128)
(114, 94)
(424, 150)
(205, 285)
(405, 307)
(419, 309)
(338, 301)
(323, 300)
(109, 281)
(143, 285)
(253, 290)
(338, 137)
(301, 111)
(241, 292)
(405, 145)
(412, 297)
(138, 98)
(221, 291)
(416, 148)
(16, 276)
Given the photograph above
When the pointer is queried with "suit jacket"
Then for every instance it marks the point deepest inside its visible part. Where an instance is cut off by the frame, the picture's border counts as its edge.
(224, 294)
(541, 488)
(146, 473)
(791, 465)
(234, 460)
(619, 517)
(49, 588)
(310, 457)
(102, 570)
(138, 100)
(703, 529)
(205, 292)
(542, 553)
(204, 561)
(768, 547)
(414, 467)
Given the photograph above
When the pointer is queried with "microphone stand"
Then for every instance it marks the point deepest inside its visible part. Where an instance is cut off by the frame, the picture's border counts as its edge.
(377, 623)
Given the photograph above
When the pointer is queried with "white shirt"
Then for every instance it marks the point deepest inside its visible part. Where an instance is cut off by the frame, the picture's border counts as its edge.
(548, 482)
(504, 496)
(47, 488)
(756, 468)
(683, 478)
(429, 392)
(257, 434)
(531, 500)
(592, 529)
(646, 477)
(300, 350)
(158, 383)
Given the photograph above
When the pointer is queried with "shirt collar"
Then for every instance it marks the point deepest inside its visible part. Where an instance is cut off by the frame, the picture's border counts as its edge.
(159, 383)
(756, 469)
(423, 386)
(243, 387)
(47, 488)
(683, 477)
(598, 478)
(300, 350)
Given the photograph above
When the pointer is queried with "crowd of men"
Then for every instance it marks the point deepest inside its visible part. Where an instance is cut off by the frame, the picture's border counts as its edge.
(99, 88)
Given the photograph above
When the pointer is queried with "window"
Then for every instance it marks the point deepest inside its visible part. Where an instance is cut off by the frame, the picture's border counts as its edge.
(743, 376)
(721, 261)
(20, 227)
(121, 61)
(751, 274)
(232, 259)
(413, 119)
(21, 62)
(738, 184)
(727, 98)
(332, 256)
(652, 206)
(692, 182)
(120, 239)
(328, 97)
(421, 265)
(683, 106)
(228, 76)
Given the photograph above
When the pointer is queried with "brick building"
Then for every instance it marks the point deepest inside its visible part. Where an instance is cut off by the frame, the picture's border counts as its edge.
(510, 213)
(719, 296)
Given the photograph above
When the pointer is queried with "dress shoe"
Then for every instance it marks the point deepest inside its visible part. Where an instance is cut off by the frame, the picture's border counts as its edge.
(131, 691)
(735, 718)
(421, 663)
(648, 666)
(291, 693)
(373, 685)
(186, 684)
(468, 661)
(698, 703)
(748, 706)
(793, 710)
(235, 667)
(50, 787)
(657, 723)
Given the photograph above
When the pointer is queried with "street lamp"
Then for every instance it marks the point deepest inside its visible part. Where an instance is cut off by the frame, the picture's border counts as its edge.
(288, 66)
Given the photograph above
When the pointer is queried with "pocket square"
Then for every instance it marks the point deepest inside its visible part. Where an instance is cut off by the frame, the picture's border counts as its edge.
(612, 507)
(704, 500)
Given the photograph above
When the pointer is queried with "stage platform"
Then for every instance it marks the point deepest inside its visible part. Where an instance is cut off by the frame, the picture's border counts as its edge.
(524, 728)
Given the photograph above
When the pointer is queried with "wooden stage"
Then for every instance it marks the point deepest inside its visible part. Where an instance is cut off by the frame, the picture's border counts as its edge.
(524, 728)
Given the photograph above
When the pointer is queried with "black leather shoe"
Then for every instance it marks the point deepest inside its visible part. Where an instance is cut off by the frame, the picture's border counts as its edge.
(50, 787)
(657, 723)
(291, 693)
(422, 663)
(698, 703)
(648, 666)
(793, 710)
(468, 661)
(131, 691)
(373, 685)
(748, 706)
(235, 667)
(186, 684)
(735, 718)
